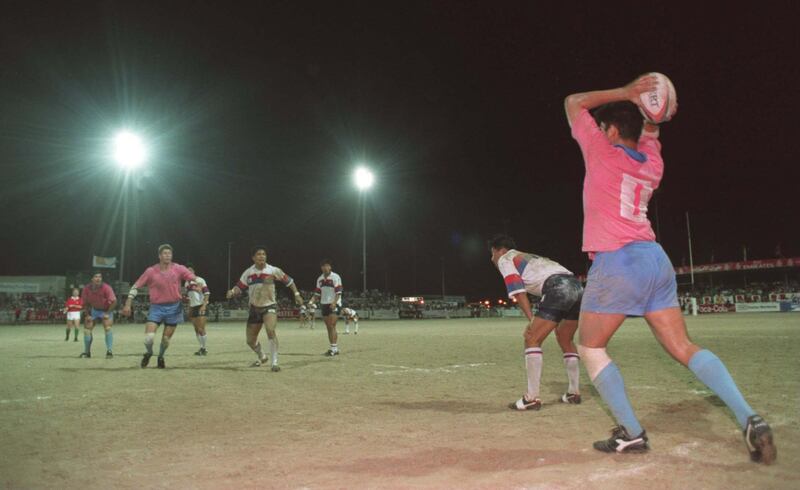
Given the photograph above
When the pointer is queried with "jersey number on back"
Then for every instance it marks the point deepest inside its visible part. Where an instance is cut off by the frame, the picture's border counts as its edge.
(634, 196)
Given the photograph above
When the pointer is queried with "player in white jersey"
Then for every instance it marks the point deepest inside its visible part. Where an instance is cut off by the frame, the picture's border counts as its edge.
(350, 315)
(329, 292)
(198, 293)
(260, 280)
(559, 308)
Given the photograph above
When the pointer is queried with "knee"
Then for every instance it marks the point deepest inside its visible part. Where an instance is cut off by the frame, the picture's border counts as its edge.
(532, 337)
(595, 359)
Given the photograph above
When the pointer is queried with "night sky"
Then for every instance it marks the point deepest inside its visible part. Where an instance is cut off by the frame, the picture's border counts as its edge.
(258, 113)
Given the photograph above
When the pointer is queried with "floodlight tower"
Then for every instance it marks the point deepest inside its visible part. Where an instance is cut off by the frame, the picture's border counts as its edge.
(130, 154)
(364, 180)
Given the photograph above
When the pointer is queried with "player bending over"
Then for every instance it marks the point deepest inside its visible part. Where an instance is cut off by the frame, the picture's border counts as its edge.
(329, 292)
(630, 274)
(99, 301)
(198, 293)
(260, 280)
(349, 315)
(560, 293)
(73, 308)
(307, 315)
(163, 282)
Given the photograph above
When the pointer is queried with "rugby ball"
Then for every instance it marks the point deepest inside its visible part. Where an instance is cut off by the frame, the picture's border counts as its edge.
(661, 104)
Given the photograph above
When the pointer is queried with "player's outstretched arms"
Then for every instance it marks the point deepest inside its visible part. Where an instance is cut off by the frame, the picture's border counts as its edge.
(575, 103)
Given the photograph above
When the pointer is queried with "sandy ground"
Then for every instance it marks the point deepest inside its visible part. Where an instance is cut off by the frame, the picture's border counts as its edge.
(408, 404)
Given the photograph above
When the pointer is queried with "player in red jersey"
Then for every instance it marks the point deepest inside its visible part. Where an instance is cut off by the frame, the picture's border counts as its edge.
(73, 308)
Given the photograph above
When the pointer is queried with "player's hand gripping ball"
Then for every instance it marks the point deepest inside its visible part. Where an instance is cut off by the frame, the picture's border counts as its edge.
(661, 104)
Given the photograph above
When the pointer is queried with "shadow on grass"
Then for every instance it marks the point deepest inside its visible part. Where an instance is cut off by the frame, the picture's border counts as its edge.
(449, 406)
(588, 392)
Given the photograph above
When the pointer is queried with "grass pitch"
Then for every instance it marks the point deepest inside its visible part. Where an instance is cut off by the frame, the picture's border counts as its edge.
(408, 404)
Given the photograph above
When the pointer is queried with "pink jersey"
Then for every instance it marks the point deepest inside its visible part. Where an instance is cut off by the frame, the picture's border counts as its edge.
(164, 286)
(100, 297)
(618, 185)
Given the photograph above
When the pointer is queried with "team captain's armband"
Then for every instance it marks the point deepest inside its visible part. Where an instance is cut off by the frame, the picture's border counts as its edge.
(133, 292)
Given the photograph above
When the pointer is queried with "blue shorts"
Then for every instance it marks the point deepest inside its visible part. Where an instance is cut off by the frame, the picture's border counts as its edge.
(98, 315)
(167, 313)
(633, 280)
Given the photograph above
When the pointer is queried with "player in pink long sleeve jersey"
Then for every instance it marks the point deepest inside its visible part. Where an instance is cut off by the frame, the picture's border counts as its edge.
(163, 282)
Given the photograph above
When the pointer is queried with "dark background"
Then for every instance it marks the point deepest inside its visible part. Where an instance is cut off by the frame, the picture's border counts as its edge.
(258, 113)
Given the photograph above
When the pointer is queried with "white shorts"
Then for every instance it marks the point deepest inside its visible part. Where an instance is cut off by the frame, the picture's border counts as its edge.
(74, 315)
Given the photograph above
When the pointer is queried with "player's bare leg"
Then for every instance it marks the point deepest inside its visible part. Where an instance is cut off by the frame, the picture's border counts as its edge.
(333, 337)
(150, 329)
(347, 326)
(253, 329)
(565, 335)
(270, 322)
(87, 337)
(534, 335)
(670, 329)
(199, 323)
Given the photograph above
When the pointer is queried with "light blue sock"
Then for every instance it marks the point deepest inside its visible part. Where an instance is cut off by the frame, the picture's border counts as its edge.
(713, 373)
(109, 340)
(612, 389)
(87, 342)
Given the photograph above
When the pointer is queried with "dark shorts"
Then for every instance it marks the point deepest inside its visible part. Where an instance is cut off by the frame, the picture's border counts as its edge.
(256, 315)
(328, 310)
(194, 312)
(561, 298)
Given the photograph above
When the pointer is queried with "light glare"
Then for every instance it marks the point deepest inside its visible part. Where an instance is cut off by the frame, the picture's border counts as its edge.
(129, 150)
(364, 178)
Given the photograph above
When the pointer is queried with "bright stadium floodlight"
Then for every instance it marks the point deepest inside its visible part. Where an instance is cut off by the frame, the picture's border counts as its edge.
(364, 178)
(129, 150)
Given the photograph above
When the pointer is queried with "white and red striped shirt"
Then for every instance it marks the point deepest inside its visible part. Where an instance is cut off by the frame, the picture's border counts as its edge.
(261, 283)
(196, 290)
(328, 287)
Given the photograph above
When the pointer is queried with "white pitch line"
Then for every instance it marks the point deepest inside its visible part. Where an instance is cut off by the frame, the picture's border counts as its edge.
(442, 369)
(23, 400)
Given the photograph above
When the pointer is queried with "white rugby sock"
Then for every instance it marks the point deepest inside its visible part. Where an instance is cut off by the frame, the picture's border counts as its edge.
(149, 339)
(273, 350)
(335, 347)
(356, 327)
(533, 365)
(571, 361)
(202, 339)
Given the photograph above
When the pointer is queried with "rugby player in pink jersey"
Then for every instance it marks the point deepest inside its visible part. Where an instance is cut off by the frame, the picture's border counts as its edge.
(99, 301)
(163, 282)
(630, 274)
